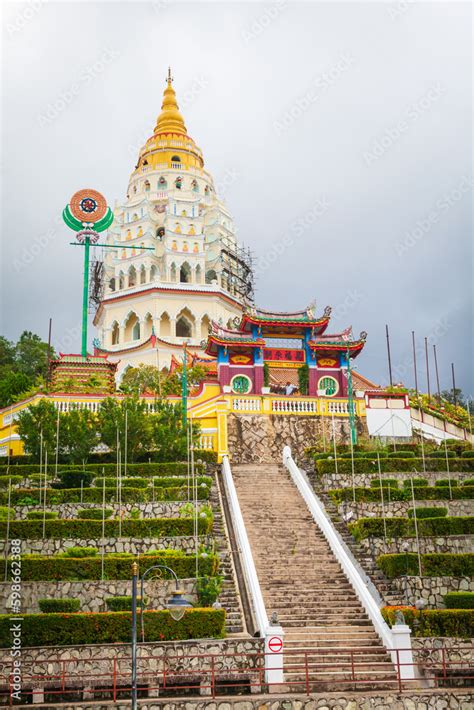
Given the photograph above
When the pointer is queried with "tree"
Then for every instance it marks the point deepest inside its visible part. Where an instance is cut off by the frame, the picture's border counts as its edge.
(7, 353)
(195, 375)
(111, 418)
(13, 384)
(144, 378)
(448, 395)
(169, 437)
(36, 424)
(78, 434)
(31, 355)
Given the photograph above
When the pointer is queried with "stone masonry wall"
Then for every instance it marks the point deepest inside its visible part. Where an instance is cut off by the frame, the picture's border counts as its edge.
(344, 480)
(260, 438)
(401, 508)
(432, 589)
(376, 546)
(91, 593)
(113, 544)
(163, 509)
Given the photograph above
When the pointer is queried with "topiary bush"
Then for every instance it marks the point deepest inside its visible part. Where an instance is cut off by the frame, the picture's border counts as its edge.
(78, 551)
(123, 603)
(434, 564)
(59, 606)
(442, 454)
(428, 513)
(127, 482)
(392, 482)
(6, 513)
(72, 478)
(112, 627)
(468, 454)
(457, 623)
(13, 480)
(442, 482)
(405, 527)
(417, 482)
(94, 513)
(401, 454)
(459, 600)
(41, 515)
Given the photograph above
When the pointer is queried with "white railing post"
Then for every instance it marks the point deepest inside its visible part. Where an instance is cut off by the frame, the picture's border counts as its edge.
(402, 654)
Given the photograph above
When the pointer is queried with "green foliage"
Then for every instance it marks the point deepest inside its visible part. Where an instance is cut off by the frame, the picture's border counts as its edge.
(172, 382)
(7, 480)
(86, 529)
(94, 513)
(456, 623)
(72, 478)
(57, 606)
(442, 454)
(469, 454)
(459, 600)
(142, 379)
(168, 434)
(303, 379)
(41, 514)
(417, 482)
(393, 465)
(208, 589)
(373, 495)
(112, 627)
(437, 564)
(442, 482)
(78, 435)
(36, 422)
(111, 418)
(401, 454)
(123, 603)
(79, 552)
(12, 386)
(468, 482)
(405, 527)
(127, 482)
(6, 512)
(30, 496)
(428, 513)
(391, 482)
(170, 469)
(266, 374)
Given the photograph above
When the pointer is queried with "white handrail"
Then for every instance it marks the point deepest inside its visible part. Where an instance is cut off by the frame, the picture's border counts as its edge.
(341, 555)
(244, 547)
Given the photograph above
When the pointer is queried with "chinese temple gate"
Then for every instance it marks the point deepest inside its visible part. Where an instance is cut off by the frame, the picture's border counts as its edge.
(285, 343)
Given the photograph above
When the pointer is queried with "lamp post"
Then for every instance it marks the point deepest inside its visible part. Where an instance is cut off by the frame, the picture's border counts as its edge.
(176, 605)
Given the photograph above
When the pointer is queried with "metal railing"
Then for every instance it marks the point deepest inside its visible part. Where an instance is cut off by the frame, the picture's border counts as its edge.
(214, 674)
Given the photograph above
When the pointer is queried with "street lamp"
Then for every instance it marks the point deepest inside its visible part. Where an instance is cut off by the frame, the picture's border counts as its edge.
(176, 606)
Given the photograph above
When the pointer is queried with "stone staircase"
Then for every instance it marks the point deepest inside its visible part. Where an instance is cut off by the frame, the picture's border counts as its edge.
(229, 597)
(325, 625)
(389, 593)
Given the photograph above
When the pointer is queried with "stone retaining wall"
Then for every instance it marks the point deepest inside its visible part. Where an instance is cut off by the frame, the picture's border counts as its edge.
(113, 544)
(344, 480)
(91, 593)
(376, 546)
(401, 508)
(432, 589)
(163, 509)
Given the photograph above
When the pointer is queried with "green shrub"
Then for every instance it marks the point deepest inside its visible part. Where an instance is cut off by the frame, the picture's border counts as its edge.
(127, 482)
(434, 622)
(86, 529)
(75, 565)
(123, 603)
(446, 482)
(112, 627)
(6, 513)
(208, 589)
(468, 482)
(442, 454)
(392, 482)
(14, 480)
(401, 454)
(94, 513)
(373, 495)
(165, 481)
(405, 527)
(78, 551)
(72, 478)
(434, 564)
(459, 600)
(468, 454)
(59, 606)
(428, 513)
(393, 465)
(40, 515)
(30, 496)
(417, 482)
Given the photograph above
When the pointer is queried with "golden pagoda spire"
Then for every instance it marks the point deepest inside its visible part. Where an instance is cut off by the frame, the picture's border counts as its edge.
(170, 120)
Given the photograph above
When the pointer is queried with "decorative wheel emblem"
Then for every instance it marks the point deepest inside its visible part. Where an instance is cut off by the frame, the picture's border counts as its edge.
(88, 206)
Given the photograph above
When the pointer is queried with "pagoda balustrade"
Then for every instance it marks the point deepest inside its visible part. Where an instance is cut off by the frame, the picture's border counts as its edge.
(295, 405)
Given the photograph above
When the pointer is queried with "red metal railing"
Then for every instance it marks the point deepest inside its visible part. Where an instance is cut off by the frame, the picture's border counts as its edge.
(305, 671)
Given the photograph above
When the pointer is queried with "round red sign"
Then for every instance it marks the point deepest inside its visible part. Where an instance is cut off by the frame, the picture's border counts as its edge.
(275, 644)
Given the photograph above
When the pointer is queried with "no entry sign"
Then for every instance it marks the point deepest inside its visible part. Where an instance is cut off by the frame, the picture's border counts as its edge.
(275, 644)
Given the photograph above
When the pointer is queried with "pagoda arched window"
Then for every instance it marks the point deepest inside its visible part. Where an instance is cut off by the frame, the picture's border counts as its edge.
(153, 273)
(132, 277)
(142, 275)
(121, 280)
(211, 276)
(147, 186)
(115, 333)
(175, 159)
(185, 273)
(136, 331)
(328, 386)
(185, 324)
(112, 284)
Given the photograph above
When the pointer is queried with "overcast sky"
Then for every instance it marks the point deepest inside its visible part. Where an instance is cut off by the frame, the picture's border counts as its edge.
(339, 135)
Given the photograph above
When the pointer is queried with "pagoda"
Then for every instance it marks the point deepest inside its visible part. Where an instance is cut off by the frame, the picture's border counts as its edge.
(284, 343)
(182, 267)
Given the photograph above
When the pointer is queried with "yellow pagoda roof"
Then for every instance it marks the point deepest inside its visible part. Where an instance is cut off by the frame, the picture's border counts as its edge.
(170, 120)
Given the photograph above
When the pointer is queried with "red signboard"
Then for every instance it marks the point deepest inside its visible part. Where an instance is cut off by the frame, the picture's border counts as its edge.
(282, 355)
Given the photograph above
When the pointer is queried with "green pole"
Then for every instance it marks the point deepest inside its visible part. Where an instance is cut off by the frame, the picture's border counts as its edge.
(350, 398)
(184, 389)
(85, 296)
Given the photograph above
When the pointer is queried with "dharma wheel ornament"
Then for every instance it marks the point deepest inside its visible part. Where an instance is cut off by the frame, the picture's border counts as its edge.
(88, 214)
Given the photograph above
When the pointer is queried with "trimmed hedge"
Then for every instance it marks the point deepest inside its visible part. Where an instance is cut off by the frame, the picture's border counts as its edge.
(428, 512)
(48, 568)
(401, 454)
(442, 454)
(434, 564)
(6, 480)
(373, 495)
(123, 603)
(405, 527)
(442, 482)
(417, 482)
(30, 496)
(127, 482)
(112, 627)
(58, 606)
(94, 513)
(41, 515)
(459, 600)
(86, 529)
(393, 465)
(392, 482)
(468, 454)
(133, 469)
(458, 623)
